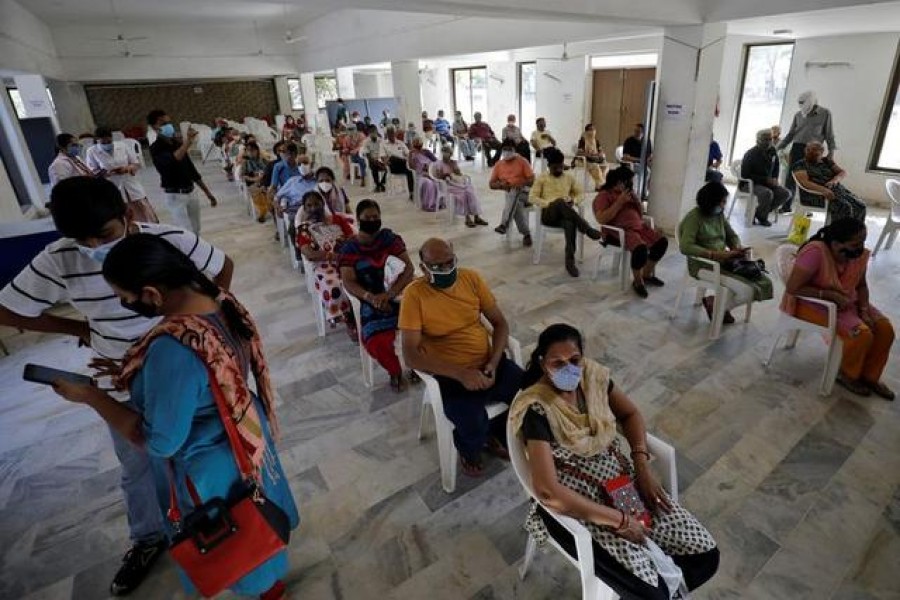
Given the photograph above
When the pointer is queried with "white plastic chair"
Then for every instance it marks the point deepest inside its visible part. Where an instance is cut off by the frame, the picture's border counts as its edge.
(621, 258)
(396, 184)
(355, 173)
(708, 278)
(135, 147)
(791, 326)
(892, 225)
(809, 207)
(289, 243)
(318, 309)
(592, 587)
(541, 231)
(444, 195)
(431, 398)
(747, 194)
(368, 363)
(620, 153)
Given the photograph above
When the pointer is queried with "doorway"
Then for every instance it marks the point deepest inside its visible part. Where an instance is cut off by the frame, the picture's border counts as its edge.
(619, 101)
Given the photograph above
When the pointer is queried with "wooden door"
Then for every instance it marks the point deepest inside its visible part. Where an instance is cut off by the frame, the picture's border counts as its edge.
(607, 108)
(634, 99)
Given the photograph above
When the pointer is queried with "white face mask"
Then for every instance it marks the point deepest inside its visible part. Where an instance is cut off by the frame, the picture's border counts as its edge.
(304, 169)
(507, 155)
(325, 186)
(98, 253)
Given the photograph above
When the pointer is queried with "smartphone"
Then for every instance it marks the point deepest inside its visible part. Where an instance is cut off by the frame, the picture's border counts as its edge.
(47, 375)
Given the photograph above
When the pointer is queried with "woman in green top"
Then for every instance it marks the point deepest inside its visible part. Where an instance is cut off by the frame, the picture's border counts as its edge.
(706, 233)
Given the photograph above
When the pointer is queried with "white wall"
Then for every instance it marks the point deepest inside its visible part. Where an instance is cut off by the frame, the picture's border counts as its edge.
(373, 84)
(564, 101)
(26, 44)
(854, 95)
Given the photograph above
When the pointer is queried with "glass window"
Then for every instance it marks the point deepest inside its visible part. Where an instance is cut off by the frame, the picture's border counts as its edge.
(766, 69)
(470, 91)
(296, 96)
(886, 153)
(326, 89)
(17, 103)
(527, 96)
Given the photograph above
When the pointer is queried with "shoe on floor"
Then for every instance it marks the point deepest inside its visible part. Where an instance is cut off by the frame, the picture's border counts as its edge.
(880, 389)
(857, 387)
(654, 281)
(728, 319)
(640, 289)
(785, 210)
(594, 234)
(572, 269)
(501, 229)
(136, 564)
(762, 221)
(526, 240)
(479, 220)
(470, 223)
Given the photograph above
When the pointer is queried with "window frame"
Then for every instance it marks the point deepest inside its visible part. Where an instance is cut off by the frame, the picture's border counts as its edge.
(519, 89)
(294, 106)
(892, 93)
(745, 63)
(321, 104)
(471, 97)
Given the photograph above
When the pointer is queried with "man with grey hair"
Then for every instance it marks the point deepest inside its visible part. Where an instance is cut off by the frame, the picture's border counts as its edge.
(811, 122)
(760, 165)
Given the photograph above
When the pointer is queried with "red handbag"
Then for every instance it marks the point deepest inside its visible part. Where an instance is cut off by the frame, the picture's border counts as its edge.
(223, 539)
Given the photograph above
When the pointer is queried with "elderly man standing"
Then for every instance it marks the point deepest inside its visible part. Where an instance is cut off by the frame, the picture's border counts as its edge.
(811, 123)
(760, 165)
(440, 321)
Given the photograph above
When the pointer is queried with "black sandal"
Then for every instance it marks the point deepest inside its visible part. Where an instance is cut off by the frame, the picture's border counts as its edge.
(470, 468)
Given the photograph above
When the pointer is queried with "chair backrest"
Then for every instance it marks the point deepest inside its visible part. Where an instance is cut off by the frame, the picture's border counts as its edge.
(736, 168)
(620, 152)
(518, 459)
(785, 255)
(808, 197)
(892, 187)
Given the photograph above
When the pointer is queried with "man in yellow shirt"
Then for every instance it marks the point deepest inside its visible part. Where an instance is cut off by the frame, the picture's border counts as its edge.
(556, 193)
(440, 321)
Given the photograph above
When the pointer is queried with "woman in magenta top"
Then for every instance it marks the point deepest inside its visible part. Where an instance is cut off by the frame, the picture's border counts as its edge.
(617, 206)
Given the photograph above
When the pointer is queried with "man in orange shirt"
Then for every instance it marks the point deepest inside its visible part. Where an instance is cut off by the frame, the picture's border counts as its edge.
(440, 322)
(513, 174)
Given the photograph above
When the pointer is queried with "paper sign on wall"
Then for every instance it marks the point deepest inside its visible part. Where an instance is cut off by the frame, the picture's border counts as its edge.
(675, 111)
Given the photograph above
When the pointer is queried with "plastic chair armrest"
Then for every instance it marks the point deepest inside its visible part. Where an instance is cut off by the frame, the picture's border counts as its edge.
(665, 455)
(830, 306)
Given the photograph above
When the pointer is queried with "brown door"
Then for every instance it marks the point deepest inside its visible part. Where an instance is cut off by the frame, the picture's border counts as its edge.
(634, 99)
(607, 108)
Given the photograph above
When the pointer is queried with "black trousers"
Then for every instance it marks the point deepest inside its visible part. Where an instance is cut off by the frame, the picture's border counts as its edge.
(697, 569)
(798, 150)
(379, 173)
(398, 166)
(560, 214)
(641, 255)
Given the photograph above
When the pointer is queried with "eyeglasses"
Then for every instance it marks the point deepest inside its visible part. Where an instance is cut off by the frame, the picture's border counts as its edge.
(444, 267)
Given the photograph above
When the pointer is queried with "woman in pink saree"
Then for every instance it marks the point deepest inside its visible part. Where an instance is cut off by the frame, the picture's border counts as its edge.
(420, 161)
(460, 187)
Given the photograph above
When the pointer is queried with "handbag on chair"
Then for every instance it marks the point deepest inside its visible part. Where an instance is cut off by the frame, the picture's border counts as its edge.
(222, 539)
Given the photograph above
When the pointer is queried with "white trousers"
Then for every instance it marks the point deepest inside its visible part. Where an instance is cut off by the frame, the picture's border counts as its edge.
(184, 210)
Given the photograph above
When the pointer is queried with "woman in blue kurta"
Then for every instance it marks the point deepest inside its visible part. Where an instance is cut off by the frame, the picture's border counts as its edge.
(205, 334)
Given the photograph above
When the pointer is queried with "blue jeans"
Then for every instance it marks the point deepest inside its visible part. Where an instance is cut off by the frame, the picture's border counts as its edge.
(145, 520)
(466, 411)
(362, 165)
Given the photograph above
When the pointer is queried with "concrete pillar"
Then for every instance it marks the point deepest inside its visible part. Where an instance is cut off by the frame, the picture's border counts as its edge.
(405, 76)
(72, 108)
(687, 89)
(282, 95)
(25, 171)
(310, 103)
(345, 85)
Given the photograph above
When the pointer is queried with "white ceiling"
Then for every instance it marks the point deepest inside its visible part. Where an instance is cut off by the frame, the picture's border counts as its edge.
(872, 18)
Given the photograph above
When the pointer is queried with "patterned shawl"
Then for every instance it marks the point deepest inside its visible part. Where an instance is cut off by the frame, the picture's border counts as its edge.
(584, 434)
(223, 364)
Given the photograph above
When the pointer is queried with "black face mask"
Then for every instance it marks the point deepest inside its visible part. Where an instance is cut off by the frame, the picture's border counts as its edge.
(852, 253)
(140, 307)
(370, 227)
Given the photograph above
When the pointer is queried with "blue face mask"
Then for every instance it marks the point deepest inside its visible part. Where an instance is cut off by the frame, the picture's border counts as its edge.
(74, 150)
(567, 378)
(108, 148)
(717, 211)
(167, 130)
(99, 253)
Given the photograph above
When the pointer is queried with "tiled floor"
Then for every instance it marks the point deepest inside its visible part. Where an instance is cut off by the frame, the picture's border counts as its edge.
(801, 492)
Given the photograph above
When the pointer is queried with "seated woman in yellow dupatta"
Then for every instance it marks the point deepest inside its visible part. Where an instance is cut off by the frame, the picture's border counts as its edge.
(832, 266)
(567, 416)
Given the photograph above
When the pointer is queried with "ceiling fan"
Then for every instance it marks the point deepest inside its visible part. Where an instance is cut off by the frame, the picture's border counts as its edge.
(564, 56)
(121, 38)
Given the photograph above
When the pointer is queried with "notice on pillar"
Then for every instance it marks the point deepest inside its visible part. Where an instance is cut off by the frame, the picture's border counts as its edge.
(675, 111)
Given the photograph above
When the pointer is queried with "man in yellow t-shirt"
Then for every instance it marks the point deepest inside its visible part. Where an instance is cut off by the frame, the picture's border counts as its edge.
(556, 193)
(440, 320)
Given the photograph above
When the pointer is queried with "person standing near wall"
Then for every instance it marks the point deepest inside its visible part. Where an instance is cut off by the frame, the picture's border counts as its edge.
(177, 172)
(811, 123)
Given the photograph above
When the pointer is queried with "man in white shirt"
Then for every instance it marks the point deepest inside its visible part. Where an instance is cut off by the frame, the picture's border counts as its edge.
(396, 154)
(92, 217)
(117, 162)
(373, 152)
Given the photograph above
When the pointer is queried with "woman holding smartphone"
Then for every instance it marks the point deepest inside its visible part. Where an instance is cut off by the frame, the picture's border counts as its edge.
(198, 358)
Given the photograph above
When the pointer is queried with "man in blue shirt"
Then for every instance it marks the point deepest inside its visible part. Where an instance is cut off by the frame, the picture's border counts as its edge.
(289, 196)
(443, 128)
(713, 162)
(285, 169)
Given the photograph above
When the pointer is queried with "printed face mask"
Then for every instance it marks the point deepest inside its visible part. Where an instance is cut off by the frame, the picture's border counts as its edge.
(567, 378)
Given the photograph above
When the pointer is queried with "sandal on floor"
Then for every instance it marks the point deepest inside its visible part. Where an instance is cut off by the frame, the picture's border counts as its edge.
(414, 377)
(495, 447)
(471, 468)
(857, 387)
(708, 305)
(398, 383)
(879, 389)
